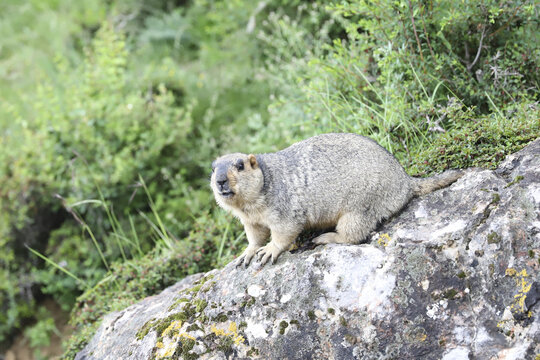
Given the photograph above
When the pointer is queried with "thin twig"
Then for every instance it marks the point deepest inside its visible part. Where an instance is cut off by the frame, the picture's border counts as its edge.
(70, 210)
(415, 32)
(411, 49)
(467, 56)
(506, 24)
(404, 143)
(470, 66)
(382, 28)
(426, 33)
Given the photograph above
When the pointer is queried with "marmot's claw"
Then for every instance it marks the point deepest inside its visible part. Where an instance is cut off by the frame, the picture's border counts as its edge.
(266, 252)
(243, 261)
(240, 261)
(246, 257)
(265, 258)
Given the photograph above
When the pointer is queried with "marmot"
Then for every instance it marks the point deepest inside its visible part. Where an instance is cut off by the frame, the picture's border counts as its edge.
(346, 181)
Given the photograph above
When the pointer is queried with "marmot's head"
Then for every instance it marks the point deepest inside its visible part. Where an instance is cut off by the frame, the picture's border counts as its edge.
(236, 179)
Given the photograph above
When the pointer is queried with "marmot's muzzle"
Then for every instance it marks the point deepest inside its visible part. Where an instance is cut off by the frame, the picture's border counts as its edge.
(222, 183)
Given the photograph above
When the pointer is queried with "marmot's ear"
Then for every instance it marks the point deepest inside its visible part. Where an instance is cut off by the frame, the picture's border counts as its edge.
(253, 161)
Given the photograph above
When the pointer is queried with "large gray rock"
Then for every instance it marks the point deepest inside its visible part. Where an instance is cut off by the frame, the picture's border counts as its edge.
(454, 276)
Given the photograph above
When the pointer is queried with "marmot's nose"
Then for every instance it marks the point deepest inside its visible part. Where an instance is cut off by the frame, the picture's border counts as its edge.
(221, 180)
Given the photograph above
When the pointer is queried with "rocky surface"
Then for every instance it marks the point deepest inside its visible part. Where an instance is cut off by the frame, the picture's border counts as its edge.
(454, 276)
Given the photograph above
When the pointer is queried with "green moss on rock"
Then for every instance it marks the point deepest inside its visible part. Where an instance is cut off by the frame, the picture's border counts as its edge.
(193, 327)
(178, 302)
(252, 352)
(247, 303)
(450, 294)
(225, 343)
(481, 143)
(143, 331)
(493, 238)
(200, 304)
(164, 323)
(515, 181)
(183, 349)
(283, 326)
(222, 317)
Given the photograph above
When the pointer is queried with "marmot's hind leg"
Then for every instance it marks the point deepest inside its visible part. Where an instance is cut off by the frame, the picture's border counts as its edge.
(351, 229)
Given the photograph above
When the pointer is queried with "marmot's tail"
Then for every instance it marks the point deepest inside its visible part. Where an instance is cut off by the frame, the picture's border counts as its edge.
(430, 184)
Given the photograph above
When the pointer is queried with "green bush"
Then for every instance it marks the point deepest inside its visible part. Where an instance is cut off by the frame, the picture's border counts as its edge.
(398, 64)
(39, 334)
(466, 45)
(481, 142)
(93, 135)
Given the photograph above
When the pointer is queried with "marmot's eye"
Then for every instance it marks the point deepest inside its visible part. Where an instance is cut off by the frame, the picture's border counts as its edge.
(240, 165)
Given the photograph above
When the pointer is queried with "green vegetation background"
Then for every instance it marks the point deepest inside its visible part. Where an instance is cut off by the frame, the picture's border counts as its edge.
(111, 112)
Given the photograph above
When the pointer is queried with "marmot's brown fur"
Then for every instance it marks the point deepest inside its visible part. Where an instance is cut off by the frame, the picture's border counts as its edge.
(345, 181)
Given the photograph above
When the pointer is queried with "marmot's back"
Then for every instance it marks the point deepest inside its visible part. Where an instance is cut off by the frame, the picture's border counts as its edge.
(329, 174)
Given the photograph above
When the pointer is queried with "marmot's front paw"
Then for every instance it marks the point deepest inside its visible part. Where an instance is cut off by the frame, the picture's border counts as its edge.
(270, 250)
(246, 256)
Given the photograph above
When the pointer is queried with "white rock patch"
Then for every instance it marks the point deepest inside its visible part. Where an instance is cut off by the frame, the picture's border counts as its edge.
(255, 330)
(285, 298)
(255, 290)
(459, 353)
(359, 278)
(450, 228)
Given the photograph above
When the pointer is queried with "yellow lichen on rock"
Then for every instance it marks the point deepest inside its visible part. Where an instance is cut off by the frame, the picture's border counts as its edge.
(175, 325)
(176, 336)
(384, 239)
(169, 351)
(231, 331)
(185, 335)
(165, 349)
(524, 286)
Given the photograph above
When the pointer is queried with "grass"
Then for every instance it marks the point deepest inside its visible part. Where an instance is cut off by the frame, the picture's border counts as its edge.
(381, 112)
(130, 279)
(57, 266)
(129, 246)
(482, 142)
